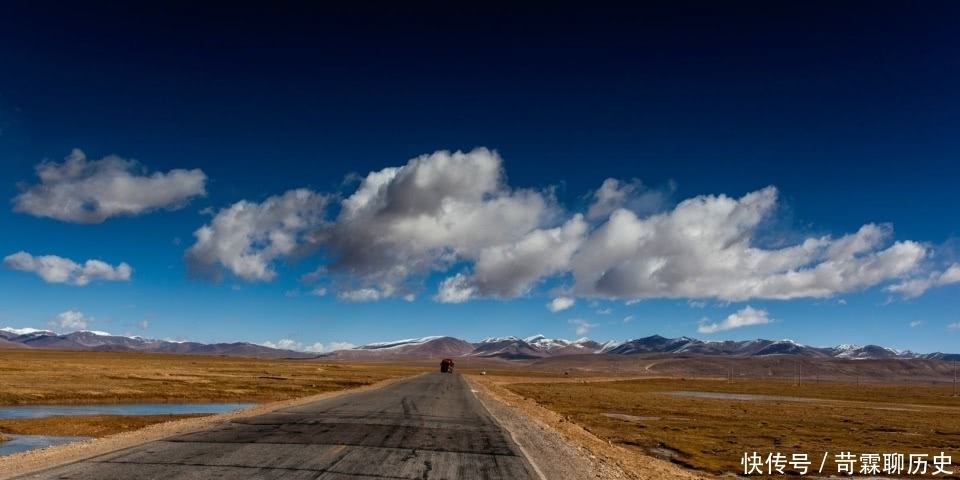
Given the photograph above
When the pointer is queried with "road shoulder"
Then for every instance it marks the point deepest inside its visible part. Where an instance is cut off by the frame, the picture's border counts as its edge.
(561, 450)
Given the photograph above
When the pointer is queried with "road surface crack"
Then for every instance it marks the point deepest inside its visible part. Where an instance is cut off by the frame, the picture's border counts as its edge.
(428, 466)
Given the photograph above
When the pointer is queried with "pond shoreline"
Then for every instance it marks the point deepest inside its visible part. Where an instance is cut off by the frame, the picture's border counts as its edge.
(24, 443)
(26, 462)
(85, 425)
(140, 408)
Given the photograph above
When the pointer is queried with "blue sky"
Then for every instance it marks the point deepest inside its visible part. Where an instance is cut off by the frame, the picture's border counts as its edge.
(335, 177)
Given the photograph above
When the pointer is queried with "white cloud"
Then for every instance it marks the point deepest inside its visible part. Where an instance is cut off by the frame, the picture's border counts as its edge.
(71, 320)
(560, 303)
(614, 195)
(582, 326)
(453, 214)
(915, 287)
(329, 347)
(703, 249)
(319, 292)
(954, 326)
(54, 269)
(403, 223)
(143, 324)
(361, 295)
(916, 323)
(284, 344)
(627, 319)
(246, 238)
(605, 311)
(455, 289)
(697, 303)
(745, 317)
(317, 347)
(85, 191)
(508, 270)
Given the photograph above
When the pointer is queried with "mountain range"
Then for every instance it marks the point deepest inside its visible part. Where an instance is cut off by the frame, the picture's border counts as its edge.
(102, 341)
(509, 348)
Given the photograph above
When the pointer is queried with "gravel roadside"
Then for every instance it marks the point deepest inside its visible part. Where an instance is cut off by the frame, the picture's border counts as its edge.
(561, 450)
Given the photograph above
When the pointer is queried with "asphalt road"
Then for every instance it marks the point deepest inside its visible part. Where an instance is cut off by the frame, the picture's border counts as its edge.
(428, 427)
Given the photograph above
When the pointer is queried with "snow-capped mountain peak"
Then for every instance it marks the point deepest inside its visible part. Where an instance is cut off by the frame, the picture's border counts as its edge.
(100, 333)
(500, 339)
(399, 343)
(26, 331)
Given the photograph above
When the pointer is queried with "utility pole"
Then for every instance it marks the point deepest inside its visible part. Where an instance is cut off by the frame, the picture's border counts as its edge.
(799, 375)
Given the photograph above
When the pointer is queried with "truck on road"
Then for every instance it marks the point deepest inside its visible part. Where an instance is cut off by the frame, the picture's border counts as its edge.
(446, 366)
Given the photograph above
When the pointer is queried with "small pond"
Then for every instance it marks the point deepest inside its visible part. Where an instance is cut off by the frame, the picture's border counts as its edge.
(39, 411)
(22, 443)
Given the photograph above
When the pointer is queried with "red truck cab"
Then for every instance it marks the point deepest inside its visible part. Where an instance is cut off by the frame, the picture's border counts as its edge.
(446, 366)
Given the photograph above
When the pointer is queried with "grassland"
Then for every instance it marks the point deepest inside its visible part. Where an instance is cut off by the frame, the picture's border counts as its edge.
(31, 377)
(712, 435)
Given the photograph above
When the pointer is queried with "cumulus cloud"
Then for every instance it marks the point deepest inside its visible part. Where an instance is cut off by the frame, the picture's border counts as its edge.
(317, 347)
(246, 238)
(916, 323)
(745, 317)
(581, 326)
(508, 270)
(361, 295)
(954, 326)
(453, 215)
(71, 320)
(614, 194)
(403, 223)
(560, 303)
(91, 191)
(627, 319)
(54, 269)
(456, 289)
(915, 287)
(703, 249)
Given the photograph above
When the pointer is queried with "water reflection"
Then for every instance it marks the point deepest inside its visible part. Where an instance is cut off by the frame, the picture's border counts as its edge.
(39, 411)
(22, 443)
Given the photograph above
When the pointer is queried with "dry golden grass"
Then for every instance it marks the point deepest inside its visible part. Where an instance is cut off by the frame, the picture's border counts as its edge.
(84, 426)
(62, 377)
(57, 377)
(712, 435)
